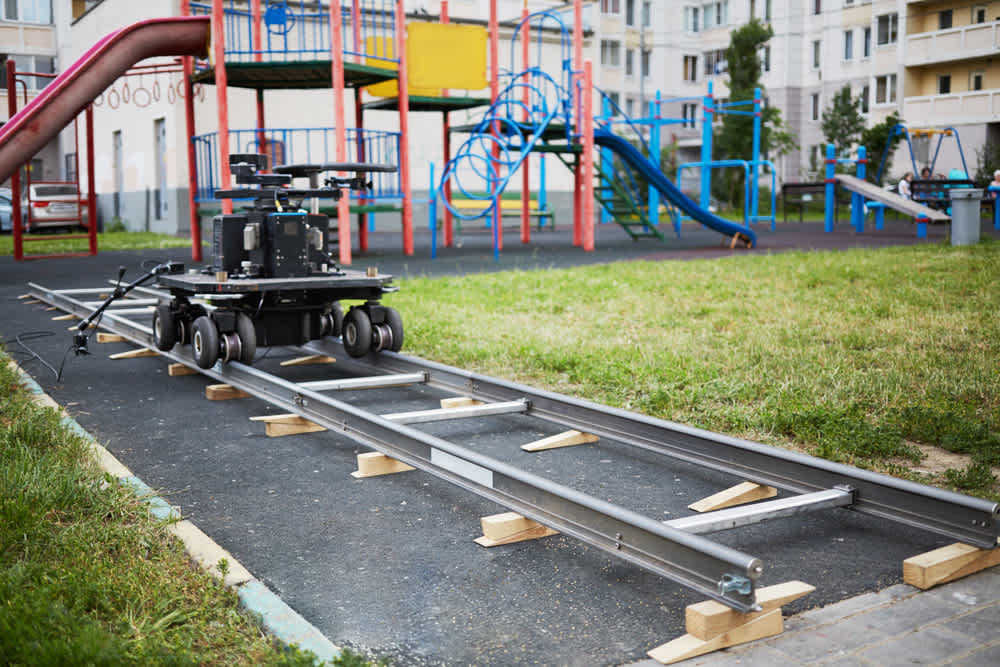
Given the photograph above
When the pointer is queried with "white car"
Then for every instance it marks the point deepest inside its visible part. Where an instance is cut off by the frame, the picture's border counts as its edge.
(53, 204)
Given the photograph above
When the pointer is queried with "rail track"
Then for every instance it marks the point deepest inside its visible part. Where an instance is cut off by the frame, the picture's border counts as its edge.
(676, 549)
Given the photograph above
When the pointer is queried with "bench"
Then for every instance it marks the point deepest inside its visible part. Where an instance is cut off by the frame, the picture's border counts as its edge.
(934, 193)
(801, 194)
(509, 208)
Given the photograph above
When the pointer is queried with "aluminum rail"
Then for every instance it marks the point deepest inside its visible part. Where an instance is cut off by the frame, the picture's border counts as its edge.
(715, 570)
(954, 515)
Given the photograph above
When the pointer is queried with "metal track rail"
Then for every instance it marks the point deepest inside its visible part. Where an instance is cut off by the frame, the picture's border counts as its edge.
(715, 570)
(957, 516)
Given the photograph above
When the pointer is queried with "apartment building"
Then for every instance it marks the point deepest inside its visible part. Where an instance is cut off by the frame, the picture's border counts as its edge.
(28, 36)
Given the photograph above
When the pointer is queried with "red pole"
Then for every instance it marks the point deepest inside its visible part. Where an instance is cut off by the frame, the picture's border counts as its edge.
(221, 82)
(356, 30)
(337, 79)
(91, 185)
(526, 165)
(404, 129)
(577, 50)
(15, 178)
(446, 147)
(577, 203)
(359, 124)
(191, 159)
(258, 34)
(588, 156)
(494, 29)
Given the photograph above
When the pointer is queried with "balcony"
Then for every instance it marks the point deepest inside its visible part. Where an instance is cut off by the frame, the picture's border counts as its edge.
(979, 106)
(980, 40)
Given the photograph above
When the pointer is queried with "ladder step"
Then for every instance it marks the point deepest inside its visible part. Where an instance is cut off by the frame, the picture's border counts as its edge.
(484, 410)
(373, 382)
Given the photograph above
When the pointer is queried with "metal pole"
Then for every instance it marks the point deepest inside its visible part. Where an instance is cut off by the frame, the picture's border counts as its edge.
(708, 113)
(857, 201)
(831, 186)
(221, 82)
(757, 122)
(337, 79)
(446, 145)
(588, 156)
(192, 162)
(655, 143)
(15, 178)
(494, 31)
(359, 124)
(404, 129)
(525, 166)
(91, 186)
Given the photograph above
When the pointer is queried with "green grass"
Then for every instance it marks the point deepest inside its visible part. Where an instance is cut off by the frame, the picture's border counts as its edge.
(854, 356)
(106, 241)
(87, 576)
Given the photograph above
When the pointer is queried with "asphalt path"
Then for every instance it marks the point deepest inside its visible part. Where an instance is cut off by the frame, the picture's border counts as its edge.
(388, 564)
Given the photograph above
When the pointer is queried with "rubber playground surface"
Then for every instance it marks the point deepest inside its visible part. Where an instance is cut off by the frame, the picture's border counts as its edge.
(388, 564)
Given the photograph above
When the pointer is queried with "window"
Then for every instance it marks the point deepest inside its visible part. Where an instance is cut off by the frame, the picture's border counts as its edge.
(28, 11)
(979, 14)
(630, 106)
(611, 53)
(865, 98)
(647, 13)
(645, 63)
(40, 64)
(815, 106)
(688, 112)
(629, 62)
(944, 84)
(866, 47)
(885, 89)
(848, 45)
(765, 58)
(975, 80)
(715, 14)
(629, 12)
(614, 97)
(887, 26)
(944, 19)
(69, 166)
(767, 10)
(691, 19)
(817, 49)
(690, 68)
(610, 7)
(817, 7)
(715, 61)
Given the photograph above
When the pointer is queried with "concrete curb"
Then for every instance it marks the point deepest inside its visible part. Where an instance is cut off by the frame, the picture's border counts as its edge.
(278, 619)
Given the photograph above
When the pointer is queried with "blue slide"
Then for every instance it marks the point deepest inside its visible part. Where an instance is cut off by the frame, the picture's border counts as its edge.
(668, 190)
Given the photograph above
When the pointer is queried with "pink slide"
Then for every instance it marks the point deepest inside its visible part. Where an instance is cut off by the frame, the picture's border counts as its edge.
(45, 116)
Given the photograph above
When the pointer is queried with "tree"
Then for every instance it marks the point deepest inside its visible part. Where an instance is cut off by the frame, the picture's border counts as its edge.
(874, 139)
(842, 123)
(735, 139)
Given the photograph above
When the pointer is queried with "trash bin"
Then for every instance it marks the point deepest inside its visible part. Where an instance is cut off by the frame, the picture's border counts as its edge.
(965, 215)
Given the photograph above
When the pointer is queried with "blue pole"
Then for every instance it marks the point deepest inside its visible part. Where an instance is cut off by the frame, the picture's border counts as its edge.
(654, 148)
(432, 210)
(996, 207)
(543, 197)
(706, 148)
(857, 201)
(606, 161)
(757, 118)
(831, 193)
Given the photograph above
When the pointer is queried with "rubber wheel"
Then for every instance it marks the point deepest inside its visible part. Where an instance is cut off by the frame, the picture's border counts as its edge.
(205, 342)
(164, 328)
(357, 335)
(395, 322)
(248, 338)
(338, 318)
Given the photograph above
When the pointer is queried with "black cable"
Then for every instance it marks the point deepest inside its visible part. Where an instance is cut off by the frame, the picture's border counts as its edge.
(32, 335)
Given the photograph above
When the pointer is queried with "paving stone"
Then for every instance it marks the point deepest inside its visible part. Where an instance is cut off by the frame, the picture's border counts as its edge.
(911, 613)
(852, 606)
(986, 657)
(753, 655)
(828, 642)
(979, 625)
(927, 647)
(983, 586)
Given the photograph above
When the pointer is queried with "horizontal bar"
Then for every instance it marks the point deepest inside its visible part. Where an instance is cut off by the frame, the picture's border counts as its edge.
(690, 560)
(954, 515)
(467, 412)
(373, 382)
(735, 517)
(123, 302)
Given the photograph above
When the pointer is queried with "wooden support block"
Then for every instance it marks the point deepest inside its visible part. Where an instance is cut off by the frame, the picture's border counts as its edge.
(458, 402)
(223, 392)
(276, 426)
(947, 564)
(24, 296)
(375, 464)
(311, 359)
(510, 527)
(173, 370)
(105, 337)
(135, 354)
(63, 318)
(51, 308)
(564, 439)
(32, 302)
(745, 492)
(709, 619)
(689, 646)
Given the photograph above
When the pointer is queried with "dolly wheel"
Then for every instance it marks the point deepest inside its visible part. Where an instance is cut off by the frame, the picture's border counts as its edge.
(357, 334)
(395, 322)
(205, 342)
(248, 338)
(165, 327)
(338, 318)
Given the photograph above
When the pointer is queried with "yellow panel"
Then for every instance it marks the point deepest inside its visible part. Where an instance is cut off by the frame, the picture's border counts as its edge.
(446, 55)
(383, 46)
